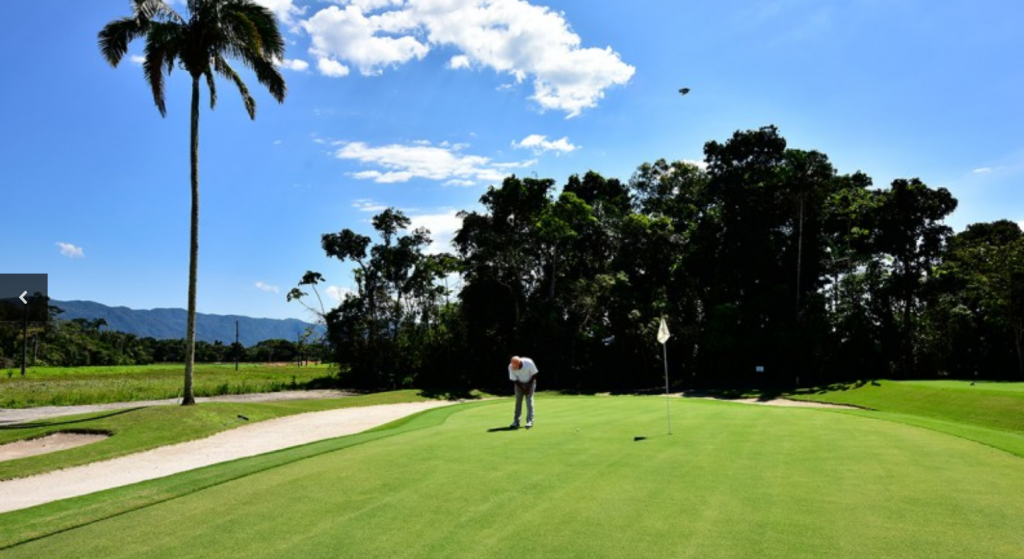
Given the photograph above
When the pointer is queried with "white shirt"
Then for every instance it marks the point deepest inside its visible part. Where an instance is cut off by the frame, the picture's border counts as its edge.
(523, 374)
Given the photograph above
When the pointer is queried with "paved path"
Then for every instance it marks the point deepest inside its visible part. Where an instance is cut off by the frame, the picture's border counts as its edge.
(248, 440)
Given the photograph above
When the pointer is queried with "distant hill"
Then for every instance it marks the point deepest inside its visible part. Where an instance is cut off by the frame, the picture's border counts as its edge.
(169, 324)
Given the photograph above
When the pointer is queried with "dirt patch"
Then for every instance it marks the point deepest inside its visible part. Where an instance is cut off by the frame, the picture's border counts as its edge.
(49, 443)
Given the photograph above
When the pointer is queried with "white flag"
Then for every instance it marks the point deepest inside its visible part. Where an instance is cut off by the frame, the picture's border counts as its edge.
(663, 332)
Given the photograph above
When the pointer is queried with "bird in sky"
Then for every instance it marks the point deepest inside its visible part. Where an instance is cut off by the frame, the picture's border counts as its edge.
(684, 91)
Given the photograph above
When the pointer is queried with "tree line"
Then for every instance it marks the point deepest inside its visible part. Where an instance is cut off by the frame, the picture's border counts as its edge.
(82, 342)
(770, 267)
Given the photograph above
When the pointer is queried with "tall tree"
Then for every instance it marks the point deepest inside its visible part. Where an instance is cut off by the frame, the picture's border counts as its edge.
(909, 236)
(199, 44)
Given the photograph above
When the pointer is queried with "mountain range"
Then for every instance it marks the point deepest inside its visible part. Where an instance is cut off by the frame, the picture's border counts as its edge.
(169, 324)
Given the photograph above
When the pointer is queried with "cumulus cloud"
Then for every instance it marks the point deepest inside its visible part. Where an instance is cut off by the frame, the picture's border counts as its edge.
(540, 144)
(70, 250)
(511, 37)
(442, 227)
(401, 163)
(285, 10)
(331, 68)
(459, 62)
(293, 64)
(349, 35)
(338, 293)
(702, 165)
(137, 59)
(267, 288)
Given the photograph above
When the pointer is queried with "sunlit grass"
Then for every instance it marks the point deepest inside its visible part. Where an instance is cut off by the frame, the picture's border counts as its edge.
(732, 481)
(64, 386)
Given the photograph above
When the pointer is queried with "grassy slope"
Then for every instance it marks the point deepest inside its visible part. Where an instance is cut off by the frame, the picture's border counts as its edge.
(63, 386)
(989, 413)
(138, 429)
(733, 481)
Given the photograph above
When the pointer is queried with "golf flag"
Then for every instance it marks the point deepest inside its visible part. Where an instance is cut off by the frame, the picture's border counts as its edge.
(663, 332)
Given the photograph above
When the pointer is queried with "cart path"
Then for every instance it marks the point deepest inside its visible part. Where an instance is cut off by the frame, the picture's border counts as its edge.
(245, 441)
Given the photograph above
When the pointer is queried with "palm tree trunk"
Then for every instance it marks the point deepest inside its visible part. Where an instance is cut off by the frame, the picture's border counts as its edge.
(188, 398)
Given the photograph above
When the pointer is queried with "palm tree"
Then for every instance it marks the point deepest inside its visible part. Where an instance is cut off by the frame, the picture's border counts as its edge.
(215, 29)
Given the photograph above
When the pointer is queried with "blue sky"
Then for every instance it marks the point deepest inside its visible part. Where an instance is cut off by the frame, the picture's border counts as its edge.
(421, 104)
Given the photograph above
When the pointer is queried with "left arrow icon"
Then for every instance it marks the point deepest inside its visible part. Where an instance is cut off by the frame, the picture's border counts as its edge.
(22, 297)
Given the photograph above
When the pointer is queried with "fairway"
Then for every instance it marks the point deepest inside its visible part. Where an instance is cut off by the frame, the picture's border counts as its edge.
(732, 481)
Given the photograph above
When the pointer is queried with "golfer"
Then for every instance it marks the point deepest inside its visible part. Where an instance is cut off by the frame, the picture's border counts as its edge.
(523, 372)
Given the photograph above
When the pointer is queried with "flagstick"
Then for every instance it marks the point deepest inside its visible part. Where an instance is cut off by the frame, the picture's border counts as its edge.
(668, 412)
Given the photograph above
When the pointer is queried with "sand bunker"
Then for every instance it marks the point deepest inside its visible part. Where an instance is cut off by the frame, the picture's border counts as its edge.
(49, 443)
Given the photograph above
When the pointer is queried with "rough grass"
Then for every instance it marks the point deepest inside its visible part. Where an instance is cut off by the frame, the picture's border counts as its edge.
(65, 386)
(732, 481)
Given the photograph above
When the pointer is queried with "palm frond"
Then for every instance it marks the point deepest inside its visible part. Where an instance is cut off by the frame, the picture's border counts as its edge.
(241, 32)
(163, 47)
(252, 36)
(155, 10)
(268, 75)
(213, 89)
(115, 36)
(224, 69)
(272, 43)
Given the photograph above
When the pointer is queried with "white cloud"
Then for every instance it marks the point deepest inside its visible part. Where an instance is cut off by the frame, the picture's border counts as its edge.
(540, 144)
(982, 171)
(285, 10)
(351, 36)
(402, 163)
(442, 229)
(366, 205)
(267, 288)
(702, 165)
(458, 62)
(70, 250)
(511, 37)
(137, 59)
(294, 64)
(331, 68)
(338, 293)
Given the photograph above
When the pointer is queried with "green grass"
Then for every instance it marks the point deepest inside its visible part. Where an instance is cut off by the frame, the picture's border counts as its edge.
(65, 386)
(987, 404)
(138, 429)
(732, 481)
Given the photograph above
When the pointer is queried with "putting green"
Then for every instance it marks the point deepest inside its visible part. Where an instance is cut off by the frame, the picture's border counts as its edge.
(733, 480)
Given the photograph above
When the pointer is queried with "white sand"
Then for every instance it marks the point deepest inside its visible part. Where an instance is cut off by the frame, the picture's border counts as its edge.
(248, 440)
(47, 444)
